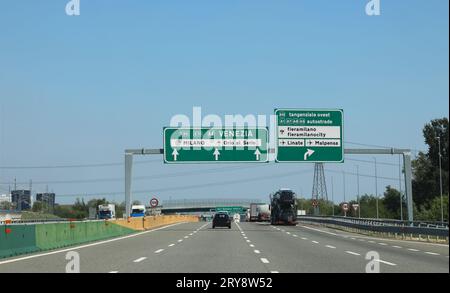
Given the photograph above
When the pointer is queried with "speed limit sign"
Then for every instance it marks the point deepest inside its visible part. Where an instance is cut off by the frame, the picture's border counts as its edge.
(154, 202)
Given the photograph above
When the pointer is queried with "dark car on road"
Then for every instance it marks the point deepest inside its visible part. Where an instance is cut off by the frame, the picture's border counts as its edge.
(221, 220)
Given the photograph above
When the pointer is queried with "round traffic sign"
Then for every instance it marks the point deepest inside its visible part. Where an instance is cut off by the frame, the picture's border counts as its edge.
(345, 206)
(154, 202)
(315, 203)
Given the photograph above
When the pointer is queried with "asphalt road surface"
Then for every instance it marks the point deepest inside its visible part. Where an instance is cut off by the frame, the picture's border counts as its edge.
(245, 248)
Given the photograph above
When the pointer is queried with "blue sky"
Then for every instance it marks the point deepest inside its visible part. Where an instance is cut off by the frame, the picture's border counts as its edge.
(79, 90)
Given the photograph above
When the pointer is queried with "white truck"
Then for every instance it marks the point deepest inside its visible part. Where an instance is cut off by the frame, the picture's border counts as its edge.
(263, 211)
(107, 211)
(253, 212)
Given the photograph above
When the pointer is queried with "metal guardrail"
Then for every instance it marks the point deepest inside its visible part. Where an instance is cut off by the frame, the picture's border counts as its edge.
(383, 226)
(47, 221)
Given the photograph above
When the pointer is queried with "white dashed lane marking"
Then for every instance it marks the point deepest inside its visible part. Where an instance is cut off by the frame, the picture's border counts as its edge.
(412, 249)
(257, 251)
(274, 272)
(264, 260)
(352, 253)
(113, 272)
(139, 259)
(396, 246)
(159, 250)
(251, 245)
(170, 245)
(385, 262)
(381, 243)
(315, 242)
(432, 253)
(330, 246)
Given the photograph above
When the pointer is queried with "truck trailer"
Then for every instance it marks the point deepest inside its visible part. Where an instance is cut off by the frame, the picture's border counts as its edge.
(283, 207)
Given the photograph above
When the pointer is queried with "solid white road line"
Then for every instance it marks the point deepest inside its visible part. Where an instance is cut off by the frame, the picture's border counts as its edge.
(352, 253)
(385, 262)
(318, 230)
(170, 245)
(330, 246)
(431, 253)
(159, 250)
(86, 245)
(139, 259)
(257, 251)
(264, 260)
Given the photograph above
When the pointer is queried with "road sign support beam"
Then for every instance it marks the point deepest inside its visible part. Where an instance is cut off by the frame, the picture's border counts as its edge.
(407, 167)
(406, 163)
(129, 170)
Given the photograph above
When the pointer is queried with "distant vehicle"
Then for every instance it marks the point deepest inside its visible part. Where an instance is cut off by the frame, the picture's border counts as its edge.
(253, 212)
(263, 211)
(106, 211)
(137, 211)
(283, 207)
(237, 218)
(221, 219)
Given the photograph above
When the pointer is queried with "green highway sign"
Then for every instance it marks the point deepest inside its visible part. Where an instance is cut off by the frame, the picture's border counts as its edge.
(310, 135)
(231, 210)
(215, 145)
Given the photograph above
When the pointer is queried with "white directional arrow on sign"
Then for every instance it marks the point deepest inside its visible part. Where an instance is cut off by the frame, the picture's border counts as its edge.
(257, 154)
(175, 154)
(308, 154)
(216, 154)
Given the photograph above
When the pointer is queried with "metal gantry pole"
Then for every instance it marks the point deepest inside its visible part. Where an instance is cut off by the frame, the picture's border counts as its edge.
(128, 174)
(359, 195)
(332, 194)
(400, 186)
(440, 180)
(408, 185)
(376, 187)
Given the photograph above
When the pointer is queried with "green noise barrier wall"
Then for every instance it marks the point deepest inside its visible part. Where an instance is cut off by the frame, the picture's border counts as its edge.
(21, 239)
(30, 238)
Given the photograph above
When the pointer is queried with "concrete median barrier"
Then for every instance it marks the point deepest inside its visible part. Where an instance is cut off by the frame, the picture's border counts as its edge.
(145, 223)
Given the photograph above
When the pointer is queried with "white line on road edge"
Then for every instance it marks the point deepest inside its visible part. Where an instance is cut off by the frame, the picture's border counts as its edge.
(385, 262)
(86, 245)
(159, 250)
(170, 245)
(330, 246)
(318, 230)
(352, 253)
(113, 272)
(140, 259)
(412, 249)
(431, 253)
(257, 251)
(274, 272)
(264, 260)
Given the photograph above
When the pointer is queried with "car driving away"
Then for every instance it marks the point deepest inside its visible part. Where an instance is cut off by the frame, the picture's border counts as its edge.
(221, 220)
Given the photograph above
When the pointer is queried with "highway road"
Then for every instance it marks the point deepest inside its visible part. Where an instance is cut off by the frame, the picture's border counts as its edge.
(246, 248)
